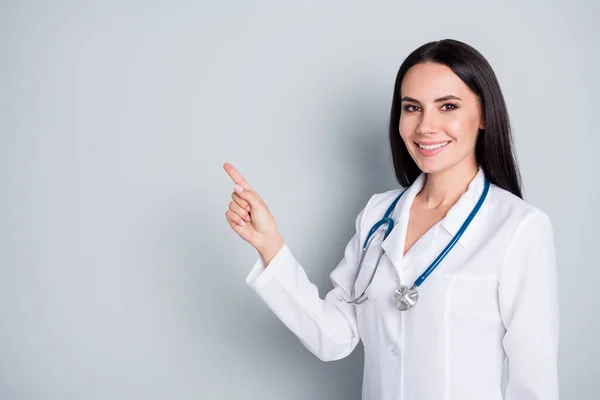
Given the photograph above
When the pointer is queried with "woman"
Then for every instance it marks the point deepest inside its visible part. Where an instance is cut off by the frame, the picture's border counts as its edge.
(494, 293)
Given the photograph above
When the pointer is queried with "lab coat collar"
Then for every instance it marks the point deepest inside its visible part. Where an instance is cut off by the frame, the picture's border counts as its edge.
(393, 245)
(456, 216)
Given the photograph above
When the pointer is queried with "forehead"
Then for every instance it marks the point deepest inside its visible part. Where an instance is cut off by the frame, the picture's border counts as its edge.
(429, 81)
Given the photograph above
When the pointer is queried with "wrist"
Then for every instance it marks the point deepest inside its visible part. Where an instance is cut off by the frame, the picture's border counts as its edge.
(271, 247)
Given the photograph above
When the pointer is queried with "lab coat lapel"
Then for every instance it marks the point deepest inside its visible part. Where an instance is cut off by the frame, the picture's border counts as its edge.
(456, 216)
(393, 245)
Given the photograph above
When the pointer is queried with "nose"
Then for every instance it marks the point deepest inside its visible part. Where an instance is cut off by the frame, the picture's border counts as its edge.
(428, 124)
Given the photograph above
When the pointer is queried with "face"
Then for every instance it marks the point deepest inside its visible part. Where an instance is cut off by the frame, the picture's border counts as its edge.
(440, 118)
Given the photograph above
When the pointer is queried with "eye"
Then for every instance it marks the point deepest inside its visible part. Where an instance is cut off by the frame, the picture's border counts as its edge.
(449, 107)
(410, 108)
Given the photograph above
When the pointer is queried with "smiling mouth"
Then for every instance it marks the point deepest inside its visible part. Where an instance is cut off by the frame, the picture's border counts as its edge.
(432, 146)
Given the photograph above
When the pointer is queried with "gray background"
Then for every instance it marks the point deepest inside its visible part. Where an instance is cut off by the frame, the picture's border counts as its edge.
(119, 275)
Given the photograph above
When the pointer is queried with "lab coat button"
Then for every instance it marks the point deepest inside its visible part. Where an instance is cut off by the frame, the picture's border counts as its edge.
(394, 350)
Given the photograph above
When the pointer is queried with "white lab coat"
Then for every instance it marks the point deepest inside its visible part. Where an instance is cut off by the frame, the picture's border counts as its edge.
(494, 295)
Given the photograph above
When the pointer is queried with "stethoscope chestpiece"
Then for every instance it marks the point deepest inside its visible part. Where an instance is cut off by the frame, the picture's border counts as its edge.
(405, 297)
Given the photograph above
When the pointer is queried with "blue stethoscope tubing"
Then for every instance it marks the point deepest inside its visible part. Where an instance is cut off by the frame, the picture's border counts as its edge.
(390, 225)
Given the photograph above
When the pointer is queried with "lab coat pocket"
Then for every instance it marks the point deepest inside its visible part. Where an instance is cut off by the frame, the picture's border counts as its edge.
(474, 299)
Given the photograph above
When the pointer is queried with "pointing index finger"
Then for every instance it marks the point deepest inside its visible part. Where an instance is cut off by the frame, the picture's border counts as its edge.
(236, 176)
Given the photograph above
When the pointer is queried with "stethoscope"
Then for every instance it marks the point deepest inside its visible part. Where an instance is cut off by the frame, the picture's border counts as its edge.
(406, 297)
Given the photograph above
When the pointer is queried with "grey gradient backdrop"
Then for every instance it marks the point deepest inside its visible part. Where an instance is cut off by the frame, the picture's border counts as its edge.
(119, 275)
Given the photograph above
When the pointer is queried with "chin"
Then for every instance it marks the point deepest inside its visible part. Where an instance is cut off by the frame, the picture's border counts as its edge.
(432, 167)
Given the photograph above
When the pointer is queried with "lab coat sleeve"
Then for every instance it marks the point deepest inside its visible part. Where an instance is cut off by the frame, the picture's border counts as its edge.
(328, 328)
(528, 303)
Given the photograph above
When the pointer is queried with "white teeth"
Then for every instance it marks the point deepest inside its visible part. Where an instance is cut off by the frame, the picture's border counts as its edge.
(433, 146)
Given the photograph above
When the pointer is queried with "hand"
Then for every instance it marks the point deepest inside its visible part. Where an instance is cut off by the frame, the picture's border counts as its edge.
(250, 218)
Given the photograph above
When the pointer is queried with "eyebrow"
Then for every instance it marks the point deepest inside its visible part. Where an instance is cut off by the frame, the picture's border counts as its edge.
(445, 98)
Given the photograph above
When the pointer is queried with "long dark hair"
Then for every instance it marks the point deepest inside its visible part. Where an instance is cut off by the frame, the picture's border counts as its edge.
(494, 148)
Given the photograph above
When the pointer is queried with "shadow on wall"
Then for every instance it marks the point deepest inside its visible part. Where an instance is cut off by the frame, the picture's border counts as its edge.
(215, 307)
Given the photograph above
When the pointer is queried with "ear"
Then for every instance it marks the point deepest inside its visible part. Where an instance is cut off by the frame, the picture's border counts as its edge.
(482, 124)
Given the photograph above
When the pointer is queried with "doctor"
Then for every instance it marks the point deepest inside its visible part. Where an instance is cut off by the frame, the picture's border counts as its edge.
(467, 275)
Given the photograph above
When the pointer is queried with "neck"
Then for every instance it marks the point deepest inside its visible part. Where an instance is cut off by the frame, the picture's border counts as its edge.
(444, 188)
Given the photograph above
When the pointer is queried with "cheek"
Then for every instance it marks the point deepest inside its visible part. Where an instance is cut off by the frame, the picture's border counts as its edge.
(406, 128)
(462, 128)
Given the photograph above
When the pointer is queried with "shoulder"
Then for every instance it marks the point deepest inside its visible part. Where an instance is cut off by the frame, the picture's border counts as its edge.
(504, 211)
(382, 200)
(378, 205)
(514, 213)
(501, 207)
